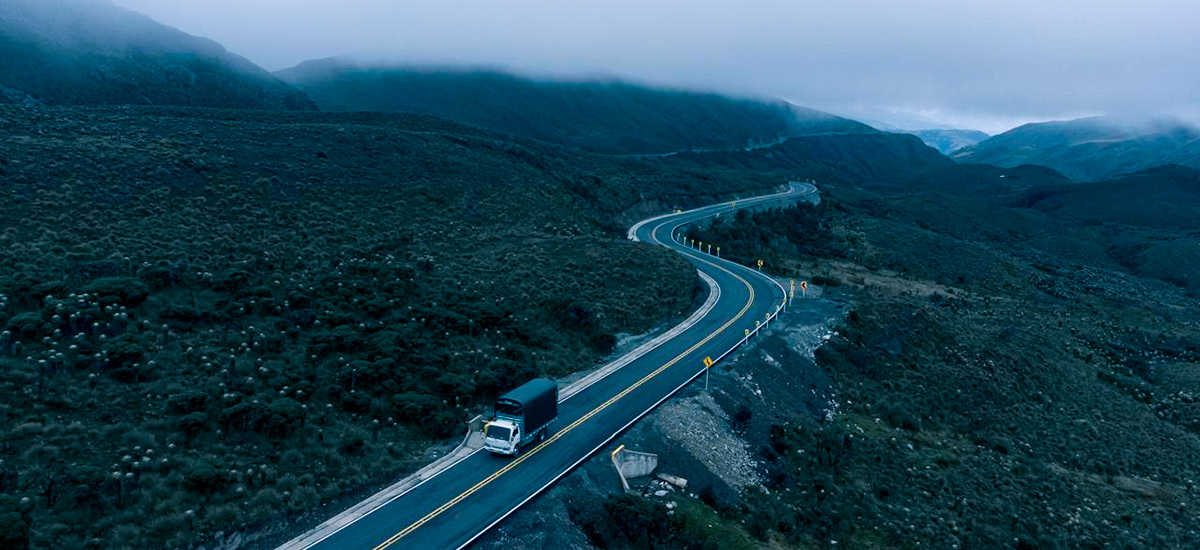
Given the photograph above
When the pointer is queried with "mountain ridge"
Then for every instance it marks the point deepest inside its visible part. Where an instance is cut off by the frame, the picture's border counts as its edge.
(93, 52)
(607, 116)
(1090, 149)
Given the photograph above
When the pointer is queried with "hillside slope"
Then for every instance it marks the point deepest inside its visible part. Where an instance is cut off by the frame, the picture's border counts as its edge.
(1162, 197)
(829, 157)
(90, 52)
(1090, 149)
(211, 291)
(608, 117)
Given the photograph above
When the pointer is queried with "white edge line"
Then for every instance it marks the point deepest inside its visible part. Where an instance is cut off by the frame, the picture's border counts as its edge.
(620, 431)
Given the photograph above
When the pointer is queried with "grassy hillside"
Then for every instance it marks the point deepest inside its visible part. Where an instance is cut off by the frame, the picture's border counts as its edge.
(1150, 220)
(90, 52)
(609, 117)
(980, 180)
(1165, 197)
(829, 157)
(192, 295)
(1090, 149)
(991, 391)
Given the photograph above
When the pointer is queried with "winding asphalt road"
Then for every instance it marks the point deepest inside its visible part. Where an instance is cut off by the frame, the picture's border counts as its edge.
(451, 510)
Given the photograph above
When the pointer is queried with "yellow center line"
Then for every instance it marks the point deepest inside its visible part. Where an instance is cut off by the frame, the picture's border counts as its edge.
(521, 458)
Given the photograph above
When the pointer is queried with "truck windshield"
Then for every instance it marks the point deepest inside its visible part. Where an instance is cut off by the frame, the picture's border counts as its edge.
(498, 432)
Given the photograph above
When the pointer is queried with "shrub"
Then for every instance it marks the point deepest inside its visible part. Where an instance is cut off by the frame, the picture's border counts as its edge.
(206, 476)
(353, 444)
(125, 351)
(96, 269)
(14, 531)
(123, 290)
(28, 325)
(283, 417)
(246, 416)
(186, 402)
(161, 276)
(822, 280)
(192, 423)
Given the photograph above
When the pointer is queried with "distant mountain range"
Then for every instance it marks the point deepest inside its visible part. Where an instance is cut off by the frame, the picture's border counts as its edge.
(948, 141)
(90, 52)
(1090, 149)
(608, 117)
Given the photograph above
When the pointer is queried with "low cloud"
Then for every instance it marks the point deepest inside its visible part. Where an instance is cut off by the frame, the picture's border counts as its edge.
(966, 62)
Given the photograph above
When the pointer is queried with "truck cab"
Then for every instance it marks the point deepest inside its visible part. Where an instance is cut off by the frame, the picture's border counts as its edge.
(502, 436)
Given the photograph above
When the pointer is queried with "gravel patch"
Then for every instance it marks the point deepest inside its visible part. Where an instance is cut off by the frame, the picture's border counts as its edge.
(699, 425)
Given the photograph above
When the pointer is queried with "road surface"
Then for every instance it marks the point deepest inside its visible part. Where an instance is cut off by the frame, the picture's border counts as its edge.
(462, 502)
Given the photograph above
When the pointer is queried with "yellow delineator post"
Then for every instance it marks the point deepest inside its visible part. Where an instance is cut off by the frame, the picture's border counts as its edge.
(718, 252)
(760, 264)
(708, 363)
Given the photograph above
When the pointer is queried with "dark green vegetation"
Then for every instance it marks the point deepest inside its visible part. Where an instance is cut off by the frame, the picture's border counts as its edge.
(777, 236)
(1090, 149)
(608, 117)
(633, 522)
(216, 318)
(948, 141)
(991, 390)
(843, 158)
(1148, 222)
(90, 52)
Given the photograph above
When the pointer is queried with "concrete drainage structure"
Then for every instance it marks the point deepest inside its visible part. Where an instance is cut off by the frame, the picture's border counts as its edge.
(631, 464)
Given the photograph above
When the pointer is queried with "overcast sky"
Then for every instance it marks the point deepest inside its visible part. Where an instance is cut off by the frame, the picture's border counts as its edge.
(972, 63)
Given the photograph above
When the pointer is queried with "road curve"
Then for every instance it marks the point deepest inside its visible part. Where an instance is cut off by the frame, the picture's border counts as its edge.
(452, 509)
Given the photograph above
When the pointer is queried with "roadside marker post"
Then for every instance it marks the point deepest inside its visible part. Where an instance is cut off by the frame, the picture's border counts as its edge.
(804, 288)
(708, 363)
(760, 264)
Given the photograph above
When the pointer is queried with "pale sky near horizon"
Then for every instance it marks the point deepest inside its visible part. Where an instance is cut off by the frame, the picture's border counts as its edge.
(962, 63)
